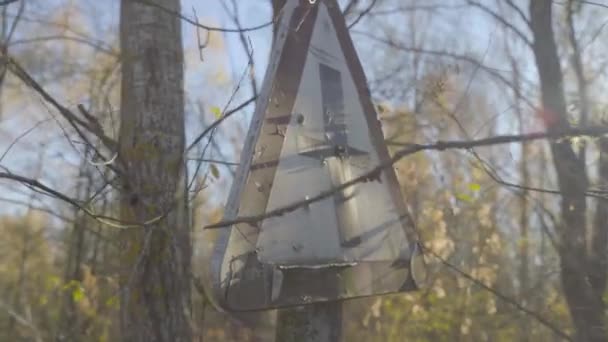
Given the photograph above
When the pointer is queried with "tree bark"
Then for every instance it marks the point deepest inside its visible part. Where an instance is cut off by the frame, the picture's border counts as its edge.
(583, 294)
(599, 237)
(155, 260)
(321, 322)
(523, 246)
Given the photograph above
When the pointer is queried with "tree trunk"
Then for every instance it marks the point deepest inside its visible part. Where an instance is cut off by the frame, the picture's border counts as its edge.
(583, 293)
(155, 260)
(523, 245)
(599, 237)
(321, 322)
(70, 328)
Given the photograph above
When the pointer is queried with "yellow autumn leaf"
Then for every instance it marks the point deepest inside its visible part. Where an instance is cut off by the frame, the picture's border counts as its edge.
(464, 198)
(77, 293)
(214, 171)
(475, 187)
(112, 302)
(217, 112)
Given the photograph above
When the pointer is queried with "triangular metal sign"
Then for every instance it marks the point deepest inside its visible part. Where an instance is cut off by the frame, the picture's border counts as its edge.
(314, 128)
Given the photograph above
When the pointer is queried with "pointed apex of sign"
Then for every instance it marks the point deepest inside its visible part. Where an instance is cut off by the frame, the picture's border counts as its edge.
(314, 129)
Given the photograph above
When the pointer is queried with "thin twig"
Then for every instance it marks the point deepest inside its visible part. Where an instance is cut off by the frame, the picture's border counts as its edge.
(502, 20)
(22, 320)
(500, 295)
(592, 3)
(44, 189)
(246, 45)
(496, 73)
(363, 14)
(218, 122)
(214, 161)
(519, 12)
(74, 120)
(21, 136)
(206, 27)
(7, 2)
(213, 130)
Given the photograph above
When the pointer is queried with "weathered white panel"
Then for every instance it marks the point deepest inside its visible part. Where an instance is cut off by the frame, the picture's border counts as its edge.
(365, 226)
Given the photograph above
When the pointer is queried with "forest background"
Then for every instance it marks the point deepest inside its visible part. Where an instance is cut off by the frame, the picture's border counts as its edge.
(516, 233)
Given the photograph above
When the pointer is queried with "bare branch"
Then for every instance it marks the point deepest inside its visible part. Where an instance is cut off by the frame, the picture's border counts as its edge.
(201, 45)
(363, 14)
(21, 136)
(219, 121)
(206, 27)
(214, 161)
(350, 7)
(519, 11)
(375, 173)
(95, 44)
(212, 128)
(16, 21)
(22, 320)
(412, 8)
(76, 122)
(7, 2)
(500, 295)
(496, 73)
(50, 211)
(502, 20)
(36, 184)
(110, 221)
(592, 3)
(246, 45)
(495, 177)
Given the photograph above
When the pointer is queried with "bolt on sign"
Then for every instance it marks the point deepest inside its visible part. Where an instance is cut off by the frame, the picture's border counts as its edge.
(314, 128)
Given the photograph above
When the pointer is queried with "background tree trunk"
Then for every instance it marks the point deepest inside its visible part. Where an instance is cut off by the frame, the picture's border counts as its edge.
(321, 322)
(578, 272)
(155, 299)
